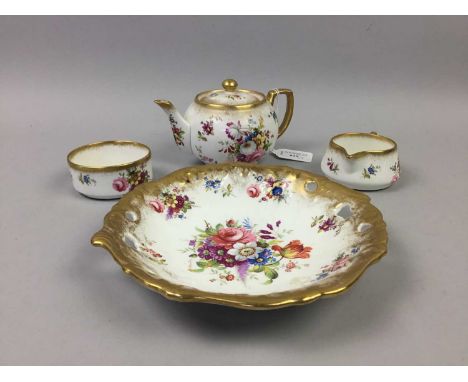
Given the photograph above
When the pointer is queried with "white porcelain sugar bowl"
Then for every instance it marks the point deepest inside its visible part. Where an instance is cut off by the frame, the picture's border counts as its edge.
(109, 169)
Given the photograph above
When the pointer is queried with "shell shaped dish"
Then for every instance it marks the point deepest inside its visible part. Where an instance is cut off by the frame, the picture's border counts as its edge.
(109, 169)
(243, 235)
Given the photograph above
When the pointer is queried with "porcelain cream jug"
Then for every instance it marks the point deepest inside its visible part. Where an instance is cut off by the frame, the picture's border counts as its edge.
(230, 124)
(363, 161)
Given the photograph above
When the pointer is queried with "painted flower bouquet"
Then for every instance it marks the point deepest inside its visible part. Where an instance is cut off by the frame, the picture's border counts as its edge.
(131, 178)
(174, 202)
(237, 250)
(274, 188)
(246, 143)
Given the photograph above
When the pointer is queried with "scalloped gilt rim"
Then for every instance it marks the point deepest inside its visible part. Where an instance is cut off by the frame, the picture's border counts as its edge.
(110, 238)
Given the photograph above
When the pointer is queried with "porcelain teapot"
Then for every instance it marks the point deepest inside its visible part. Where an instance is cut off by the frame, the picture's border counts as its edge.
(229, 124)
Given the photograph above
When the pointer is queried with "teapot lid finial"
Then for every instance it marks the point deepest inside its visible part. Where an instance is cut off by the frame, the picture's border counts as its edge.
(230, 85)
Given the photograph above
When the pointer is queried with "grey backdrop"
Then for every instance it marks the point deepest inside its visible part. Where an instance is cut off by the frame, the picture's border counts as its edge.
(66, 81)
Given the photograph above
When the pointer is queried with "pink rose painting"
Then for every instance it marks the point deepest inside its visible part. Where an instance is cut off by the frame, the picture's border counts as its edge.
(253, 190)
(229, 236)
(157, 205)
(255, 156)
(120, 184)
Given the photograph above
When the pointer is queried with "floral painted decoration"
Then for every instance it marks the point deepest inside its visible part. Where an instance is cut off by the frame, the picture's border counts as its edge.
(207, 129)
(174, 202)
(177, 132)
(235, 251)
(131, 178)
(151, 254)
(332, 166)
(272, 114)
(370, 171)
(396, 171)
(246, 143)
(202, 156)
(215, 185)
(269, 188)
(86, 179)
(120, 184)
(234, 97)
(341, 261)
(291, 265)
(326, 224)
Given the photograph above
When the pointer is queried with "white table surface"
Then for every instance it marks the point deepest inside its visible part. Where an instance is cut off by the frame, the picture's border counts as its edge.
(67, 81)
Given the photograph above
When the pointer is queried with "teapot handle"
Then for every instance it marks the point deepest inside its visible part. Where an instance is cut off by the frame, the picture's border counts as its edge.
(271, 96)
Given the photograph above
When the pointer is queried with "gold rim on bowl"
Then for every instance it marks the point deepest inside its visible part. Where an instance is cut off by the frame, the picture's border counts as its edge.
(118, 167)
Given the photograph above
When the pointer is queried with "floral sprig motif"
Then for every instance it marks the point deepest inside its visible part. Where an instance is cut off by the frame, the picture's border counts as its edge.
(269, 188)
(131, 178)
(202, 156)
(174, 202)
(292, 265)
(177, 132)
(224, 276)
(326, 224)
(246, 143)
(370, 171)
(151, 254)
(272, 114)
(234, 97)
(236, 250)
(215, 185)
(332, 166)
(342, 260)
(86, 179)
(396, 171)
(207, 129)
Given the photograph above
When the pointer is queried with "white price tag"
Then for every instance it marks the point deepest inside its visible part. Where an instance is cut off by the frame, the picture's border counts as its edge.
(300, 156)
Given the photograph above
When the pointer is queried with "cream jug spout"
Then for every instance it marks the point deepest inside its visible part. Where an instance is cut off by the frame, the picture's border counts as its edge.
(179, 126)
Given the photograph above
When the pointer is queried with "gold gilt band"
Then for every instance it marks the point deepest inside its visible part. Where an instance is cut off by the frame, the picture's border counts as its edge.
(118, 167)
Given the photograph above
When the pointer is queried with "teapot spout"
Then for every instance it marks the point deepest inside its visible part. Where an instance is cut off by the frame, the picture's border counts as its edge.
(179, 126)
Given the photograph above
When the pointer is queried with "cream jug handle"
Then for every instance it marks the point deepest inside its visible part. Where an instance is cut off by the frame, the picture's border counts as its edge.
(271, 96)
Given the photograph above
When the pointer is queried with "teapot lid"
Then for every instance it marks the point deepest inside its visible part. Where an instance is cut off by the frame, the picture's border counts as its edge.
(230, 97)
